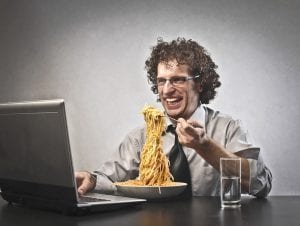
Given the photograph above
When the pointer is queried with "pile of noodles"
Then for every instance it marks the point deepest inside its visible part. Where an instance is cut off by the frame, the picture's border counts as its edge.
(154, 166)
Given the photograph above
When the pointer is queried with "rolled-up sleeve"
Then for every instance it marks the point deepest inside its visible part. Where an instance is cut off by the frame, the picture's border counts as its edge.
(239, 142)
(260, 178)
(124, 163)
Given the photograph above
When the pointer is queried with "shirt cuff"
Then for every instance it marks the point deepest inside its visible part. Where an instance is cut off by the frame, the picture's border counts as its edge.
(104, 184)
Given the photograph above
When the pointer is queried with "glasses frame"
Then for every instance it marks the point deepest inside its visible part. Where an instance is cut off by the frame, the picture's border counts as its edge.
(172, 82)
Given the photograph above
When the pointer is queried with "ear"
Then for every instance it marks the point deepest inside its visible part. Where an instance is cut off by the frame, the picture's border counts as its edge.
(199, 87)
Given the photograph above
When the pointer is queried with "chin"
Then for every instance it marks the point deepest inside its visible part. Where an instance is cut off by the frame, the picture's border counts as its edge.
(173, 113)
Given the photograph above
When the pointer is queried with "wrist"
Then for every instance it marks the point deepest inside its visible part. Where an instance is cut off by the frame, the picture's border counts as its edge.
(203, 145)
(93, 179)
(205, 141)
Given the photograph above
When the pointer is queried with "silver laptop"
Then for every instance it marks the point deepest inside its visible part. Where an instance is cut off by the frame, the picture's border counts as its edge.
(36, 167)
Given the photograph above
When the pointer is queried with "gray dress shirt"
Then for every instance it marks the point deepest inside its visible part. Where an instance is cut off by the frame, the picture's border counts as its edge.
(223, 129)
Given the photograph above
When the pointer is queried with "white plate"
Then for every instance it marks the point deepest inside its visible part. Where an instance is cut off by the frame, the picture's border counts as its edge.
(151, 192)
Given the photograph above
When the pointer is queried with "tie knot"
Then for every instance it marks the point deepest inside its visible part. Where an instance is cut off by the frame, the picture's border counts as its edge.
(171, 129)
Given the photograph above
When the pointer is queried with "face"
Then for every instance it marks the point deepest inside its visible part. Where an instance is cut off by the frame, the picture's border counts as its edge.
(178, 101)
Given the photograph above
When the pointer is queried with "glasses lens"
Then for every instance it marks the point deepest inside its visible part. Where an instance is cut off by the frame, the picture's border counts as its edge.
(174, 81)
(161, 81)
(177, 81)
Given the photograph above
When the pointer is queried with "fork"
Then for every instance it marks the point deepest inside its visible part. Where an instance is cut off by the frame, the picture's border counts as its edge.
(170, 118)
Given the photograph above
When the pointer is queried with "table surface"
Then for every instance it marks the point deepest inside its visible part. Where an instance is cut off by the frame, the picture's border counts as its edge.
(275, 210)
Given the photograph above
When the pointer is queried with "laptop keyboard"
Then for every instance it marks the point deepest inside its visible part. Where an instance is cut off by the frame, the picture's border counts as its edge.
(91, 199)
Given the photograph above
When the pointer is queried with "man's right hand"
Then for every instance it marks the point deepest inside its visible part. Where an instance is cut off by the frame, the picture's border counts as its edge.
(85, 182)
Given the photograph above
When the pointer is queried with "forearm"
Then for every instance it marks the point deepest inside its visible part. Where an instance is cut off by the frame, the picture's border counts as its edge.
(212, 152)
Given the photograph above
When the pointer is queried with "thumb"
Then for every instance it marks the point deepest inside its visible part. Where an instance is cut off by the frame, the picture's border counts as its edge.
(82, 189)
(82, 185)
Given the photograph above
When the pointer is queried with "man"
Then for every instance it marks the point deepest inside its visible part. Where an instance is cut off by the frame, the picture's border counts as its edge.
(183, 75)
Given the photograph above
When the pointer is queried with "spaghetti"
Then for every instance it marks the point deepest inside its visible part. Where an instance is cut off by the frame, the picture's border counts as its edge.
(154, 166)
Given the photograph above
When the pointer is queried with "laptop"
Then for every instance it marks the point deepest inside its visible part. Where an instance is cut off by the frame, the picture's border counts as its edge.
(36, 167)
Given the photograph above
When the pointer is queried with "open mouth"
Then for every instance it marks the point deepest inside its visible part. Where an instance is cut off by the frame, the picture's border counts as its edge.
(173, 103)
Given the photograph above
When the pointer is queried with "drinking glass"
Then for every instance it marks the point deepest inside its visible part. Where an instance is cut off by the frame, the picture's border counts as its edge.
(230, 170)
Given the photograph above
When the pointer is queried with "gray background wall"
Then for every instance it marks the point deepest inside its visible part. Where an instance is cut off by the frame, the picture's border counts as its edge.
(92, 53)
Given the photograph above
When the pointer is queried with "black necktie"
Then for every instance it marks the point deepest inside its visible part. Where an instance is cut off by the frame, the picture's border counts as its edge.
(179, 166)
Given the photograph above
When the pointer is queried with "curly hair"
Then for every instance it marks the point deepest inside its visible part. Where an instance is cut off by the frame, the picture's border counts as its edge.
(186, 52)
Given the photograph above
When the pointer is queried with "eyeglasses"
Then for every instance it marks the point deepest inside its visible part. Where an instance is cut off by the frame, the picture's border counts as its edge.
(176, 81)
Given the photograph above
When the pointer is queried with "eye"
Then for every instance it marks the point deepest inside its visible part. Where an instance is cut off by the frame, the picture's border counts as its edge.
(161, 81)
(178, 80)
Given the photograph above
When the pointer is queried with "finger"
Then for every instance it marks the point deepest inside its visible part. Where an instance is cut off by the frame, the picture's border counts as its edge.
(83, 182)
(186, 123)
(182, 124)
(195, 123)
(84, 186)
(180, 128)
(186, 127)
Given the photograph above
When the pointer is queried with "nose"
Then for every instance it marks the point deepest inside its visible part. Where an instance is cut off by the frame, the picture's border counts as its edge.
(168, 87)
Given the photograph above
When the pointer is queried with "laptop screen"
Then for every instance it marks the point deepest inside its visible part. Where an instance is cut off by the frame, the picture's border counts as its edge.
(35, 158)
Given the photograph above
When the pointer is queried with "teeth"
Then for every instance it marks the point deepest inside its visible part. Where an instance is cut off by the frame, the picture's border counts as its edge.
(171, 99)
